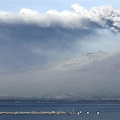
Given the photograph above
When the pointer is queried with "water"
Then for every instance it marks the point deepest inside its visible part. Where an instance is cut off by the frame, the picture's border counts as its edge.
(108, 111)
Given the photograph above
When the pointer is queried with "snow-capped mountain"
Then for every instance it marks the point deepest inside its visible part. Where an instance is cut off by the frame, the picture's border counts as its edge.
(79, 61)
(92, 75)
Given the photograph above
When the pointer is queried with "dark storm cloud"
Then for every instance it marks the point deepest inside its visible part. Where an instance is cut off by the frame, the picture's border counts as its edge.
(31, 45)
(30, 38)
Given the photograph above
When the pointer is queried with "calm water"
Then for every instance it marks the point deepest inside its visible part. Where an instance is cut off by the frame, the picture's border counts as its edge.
(108, 111)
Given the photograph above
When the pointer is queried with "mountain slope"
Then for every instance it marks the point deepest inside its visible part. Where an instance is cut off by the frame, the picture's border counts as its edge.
(88, 76)
(95, 75)
(79, 61)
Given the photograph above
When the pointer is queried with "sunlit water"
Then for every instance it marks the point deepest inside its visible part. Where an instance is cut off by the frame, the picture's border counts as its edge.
(108, 111)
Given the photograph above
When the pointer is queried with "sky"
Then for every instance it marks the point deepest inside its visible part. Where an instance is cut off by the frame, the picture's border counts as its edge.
(37, 34)
(60, 5)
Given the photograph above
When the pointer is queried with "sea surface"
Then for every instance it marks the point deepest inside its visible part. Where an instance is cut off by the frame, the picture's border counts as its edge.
(108, 111)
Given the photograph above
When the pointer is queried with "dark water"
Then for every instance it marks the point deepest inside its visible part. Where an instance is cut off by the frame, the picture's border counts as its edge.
(108, 111)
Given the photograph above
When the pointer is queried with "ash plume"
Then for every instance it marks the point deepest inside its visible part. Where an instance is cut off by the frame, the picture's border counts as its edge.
(78, 18)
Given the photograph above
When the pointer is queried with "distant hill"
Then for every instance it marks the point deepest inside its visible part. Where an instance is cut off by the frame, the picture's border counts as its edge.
(92, 76)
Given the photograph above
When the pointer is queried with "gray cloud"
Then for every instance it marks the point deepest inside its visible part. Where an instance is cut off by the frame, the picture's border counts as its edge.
(24, 46)
(30, 40)
(79, 18)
